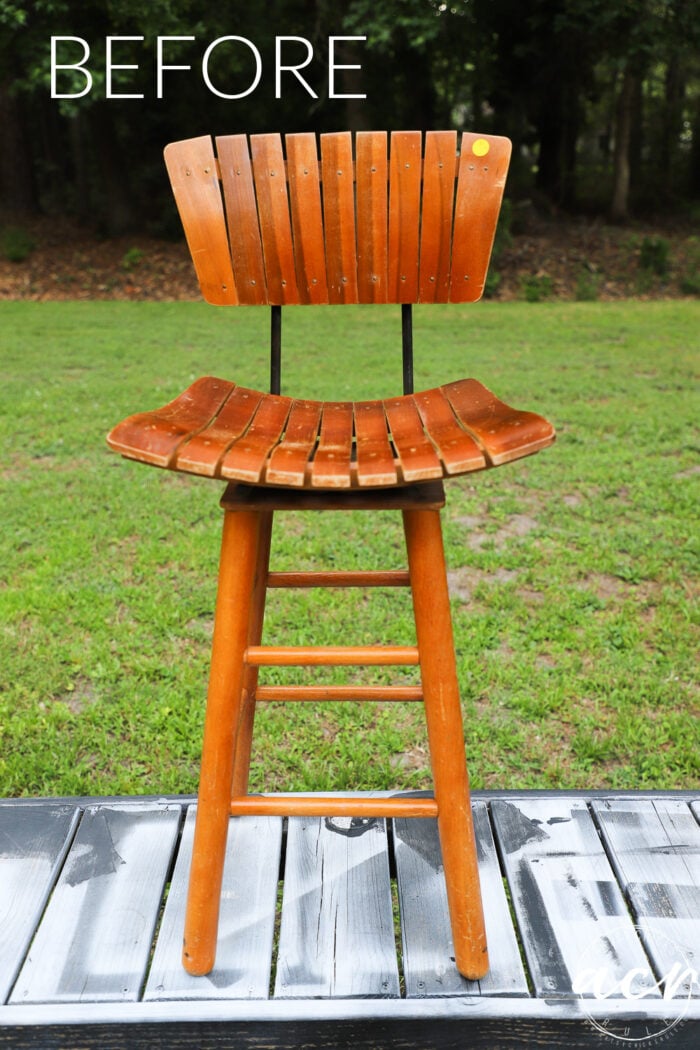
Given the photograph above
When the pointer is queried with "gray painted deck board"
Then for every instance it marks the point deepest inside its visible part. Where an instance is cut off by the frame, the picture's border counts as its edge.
(571, 912)
(100, 892)
(94, 940)
(33, 843)
(337, 934)
(428, 952)
(655, 850)
(246, 922)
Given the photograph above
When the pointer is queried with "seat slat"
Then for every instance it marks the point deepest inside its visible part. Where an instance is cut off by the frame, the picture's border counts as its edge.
(372, 215)
(275, 226)
(202, 452)
(375, 457)
(331, 467)
(288, 463)
(339, 216)
(458, 450)
(307, 217)
(154, 437)
(483, 165)
(405, 166)
(246, 458)
(193, 175)
(439, 168)
(505, 433)
(417, 457)
(242, 218)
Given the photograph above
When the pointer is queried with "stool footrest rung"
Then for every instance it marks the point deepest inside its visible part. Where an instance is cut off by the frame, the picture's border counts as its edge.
(339, 692)
(372, 578)
(330, 655)
(331, 806)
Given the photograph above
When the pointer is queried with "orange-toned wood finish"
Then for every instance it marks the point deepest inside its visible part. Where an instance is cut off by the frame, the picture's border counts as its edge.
(403, 218)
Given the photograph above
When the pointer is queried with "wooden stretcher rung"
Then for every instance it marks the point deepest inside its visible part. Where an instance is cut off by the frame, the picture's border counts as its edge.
(331, 806)
(393, 693)
(330, 655)
(390, 578)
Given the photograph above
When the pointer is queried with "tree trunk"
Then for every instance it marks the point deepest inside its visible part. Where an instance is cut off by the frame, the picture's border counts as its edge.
(17, 184)
(619, 206)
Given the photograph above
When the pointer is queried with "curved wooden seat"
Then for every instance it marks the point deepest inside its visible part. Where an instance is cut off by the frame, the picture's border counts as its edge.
(219, 429)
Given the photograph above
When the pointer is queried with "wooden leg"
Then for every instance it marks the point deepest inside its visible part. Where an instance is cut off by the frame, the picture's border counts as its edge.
(231, 627)
(426, 561)
(244, 736)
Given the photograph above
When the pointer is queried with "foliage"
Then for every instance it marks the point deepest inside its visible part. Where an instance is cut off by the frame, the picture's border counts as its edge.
(571, 571)
(16, 243)
(654, 255)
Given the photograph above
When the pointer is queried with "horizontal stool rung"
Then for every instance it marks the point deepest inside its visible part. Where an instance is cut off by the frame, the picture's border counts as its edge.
(373, 578)
(339, 692)
(330, 655)
(331, 806)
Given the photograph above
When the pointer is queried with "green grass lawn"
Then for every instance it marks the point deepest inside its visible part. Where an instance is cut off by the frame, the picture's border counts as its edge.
(573, 572)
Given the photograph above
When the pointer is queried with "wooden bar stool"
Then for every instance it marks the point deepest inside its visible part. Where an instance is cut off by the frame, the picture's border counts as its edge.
(371, 221)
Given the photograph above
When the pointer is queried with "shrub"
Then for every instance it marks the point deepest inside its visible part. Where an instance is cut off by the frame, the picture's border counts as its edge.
(654, 255)
(536, 288)
(16, 244)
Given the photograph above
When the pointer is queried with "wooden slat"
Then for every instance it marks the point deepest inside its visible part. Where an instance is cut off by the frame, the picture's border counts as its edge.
(371, 177)
(505, 433)
(439, 168)
(331, 655)
(337, 936)
(33, 842)
(273, 211)
(314, 693)
(154, 437)
(94, 940)
(242, 218)
(288, 463)
(570, 910)
(193, 175)
(655, 850)
(457, 449)
(246, 457)
(375, 457)
(332, 805)
(428, 952)
(416, 455)
(339, 216)
(246, 919)
(405, 166)
(483, 166)
(331, 467)
(202, 452)
(307, 218)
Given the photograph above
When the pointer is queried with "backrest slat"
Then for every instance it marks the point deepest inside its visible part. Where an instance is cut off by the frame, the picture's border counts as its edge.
(483, 166)
(275, 226)
(404, 216)
(307, 217)
(193, 175)
(372, 215)
(439, 168)
(242, 219)
(339, 216)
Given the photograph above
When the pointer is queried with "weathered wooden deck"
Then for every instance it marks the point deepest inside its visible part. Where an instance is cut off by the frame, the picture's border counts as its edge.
(311, 952)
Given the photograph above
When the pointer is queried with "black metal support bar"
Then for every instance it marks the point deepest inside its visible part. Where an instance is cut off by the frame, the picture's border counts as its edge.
(407, 344)
(275, 349)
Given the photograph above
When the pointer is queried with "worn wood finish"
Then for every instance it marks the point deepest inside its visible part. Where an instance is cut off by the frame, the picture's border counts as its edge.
(95, 937)
(242, 219)
(275, 223)
(371, 177)
(428, 950)
(654, 847)
(439, 166)
(391, 693)
(406, 170)
(33, 845)
(333, 806)
(337, 172)
(219, 430)
(307, 217)
(326, 924)
(570, 908)
(235, 1005)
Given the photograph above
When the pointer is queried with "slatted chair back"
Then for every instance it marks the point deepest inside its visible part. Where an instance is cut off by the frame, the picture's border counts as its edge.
(400, 219)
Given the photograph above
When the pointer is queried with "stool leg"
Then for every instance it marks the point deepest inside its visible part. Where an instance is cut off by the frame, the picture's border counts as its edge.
(239, 549)
(431, 603)
(244, 736)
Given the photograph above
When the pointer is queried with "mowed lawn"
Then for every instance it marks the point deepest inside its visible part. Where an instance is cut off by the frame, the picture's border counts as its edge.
(573, 572)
